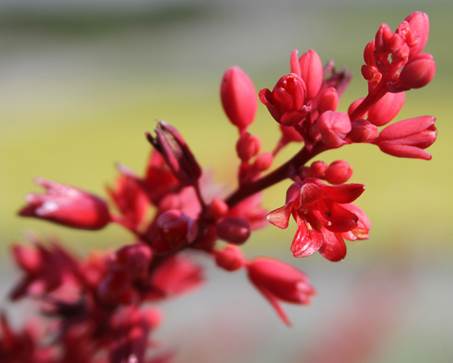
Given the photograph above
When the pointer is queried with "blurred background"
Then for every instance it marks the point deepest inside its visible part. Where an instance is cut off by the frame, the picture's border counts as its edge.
(80, 82)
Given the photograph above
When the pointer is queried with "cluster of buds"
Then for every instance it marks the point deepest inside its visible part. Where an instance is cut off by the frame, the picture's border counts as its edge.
(97, 304)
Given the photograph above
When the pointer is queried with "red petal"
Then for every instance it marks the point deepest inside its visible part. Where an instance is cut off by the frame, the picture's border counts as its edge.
(279, 217)
(345, 193)
(333, 248)
(306, 241)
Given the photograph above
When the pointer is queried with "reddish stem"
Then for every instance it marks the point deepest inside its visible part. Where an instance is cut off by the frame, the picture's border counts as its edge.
(276, 176)
(369, 100)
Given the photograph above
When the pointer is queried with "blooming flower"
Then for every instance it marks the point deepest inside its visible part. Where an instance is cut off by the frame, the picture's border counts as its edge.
(323, 216)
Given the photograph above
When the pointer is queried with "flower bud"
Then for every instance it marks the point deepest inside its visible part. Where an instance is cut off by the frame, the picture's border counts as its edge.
(230, 258)
(176, 153)
(338, 172)
(218, 208)
(418, 72)
(278, 281)
(247, 146)
(312, 72)
(286, 101)
(135, 259)
(318, 169)
(363, 131)
(174, 230)
(419, 26)
(408, 138)
(68, 206)
(263, 161)
(328, 100)
(233, 229)
(386, 109)
(238, 97)
(333, 127)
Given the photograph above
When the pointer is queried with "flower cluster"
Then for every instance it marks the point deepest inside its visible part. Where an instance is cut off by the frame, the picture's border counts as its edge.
(102, 307)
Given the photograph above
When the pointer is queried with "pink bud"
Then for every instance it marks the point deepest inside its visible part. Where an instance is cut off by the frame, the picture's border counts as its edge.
(328, 100)
(135, 259)
(238, 97)
(408, 138)
(419, 26)
(368, 54)
(230, 258)
(68, 206)
(333, 127)
(363, 131)
(247, 146)
(383, 37)
(318, 169)
(418, 72)
(312, 72)
(386, 109)
(286, 101)
(338, 172)
(233, 229)
(263, 161)
(218, 208)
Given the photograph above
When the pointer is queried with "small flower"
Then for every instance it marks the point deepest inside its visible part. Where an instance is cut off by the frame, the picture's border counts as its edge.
(286, 101)
(66, 205)
(408, 138)
(323, 217)
(278, 281)
(309, 67)
(238, 97)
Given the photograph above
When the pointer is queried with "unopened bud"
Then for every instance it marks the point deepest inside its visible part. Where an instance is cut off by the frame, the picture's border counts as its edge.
(233, 229)
(238, 97)
(418, 72)
(338, 172)
(247, 146)
(230, 258)
(363, 131)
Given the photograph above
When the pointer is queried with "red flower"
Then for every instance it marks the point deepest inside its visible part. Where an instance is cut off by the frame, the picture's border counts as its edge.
(238, 97)
(408, 138)
(286, 101)
(278, 281)
(130, 199)
(68, 206)
(324, 218)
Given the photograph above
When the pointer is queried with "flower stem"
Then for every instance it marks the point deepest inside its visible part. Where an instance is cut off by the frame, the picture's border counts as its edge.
(281, 173)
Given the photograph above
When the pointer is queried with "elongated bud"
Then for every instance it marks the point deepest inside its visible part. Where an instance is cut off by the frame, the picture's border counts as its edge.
(233, 229)
(419, 26)
(247, 146)
(363, 131)
(68, 206)
(408, 138)
(368, 54)
(386, 109)
(333, 127)
(238, 97)
(176, 153)
(328, 100)
(230, 258)
(278, 281)
(312, 72)
(418, 72)
(338, 172)
(286, 101)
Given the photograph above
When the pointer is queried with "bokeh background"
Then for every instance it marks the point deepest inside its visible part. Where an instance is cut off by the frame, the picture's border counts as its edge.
(80, 82)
